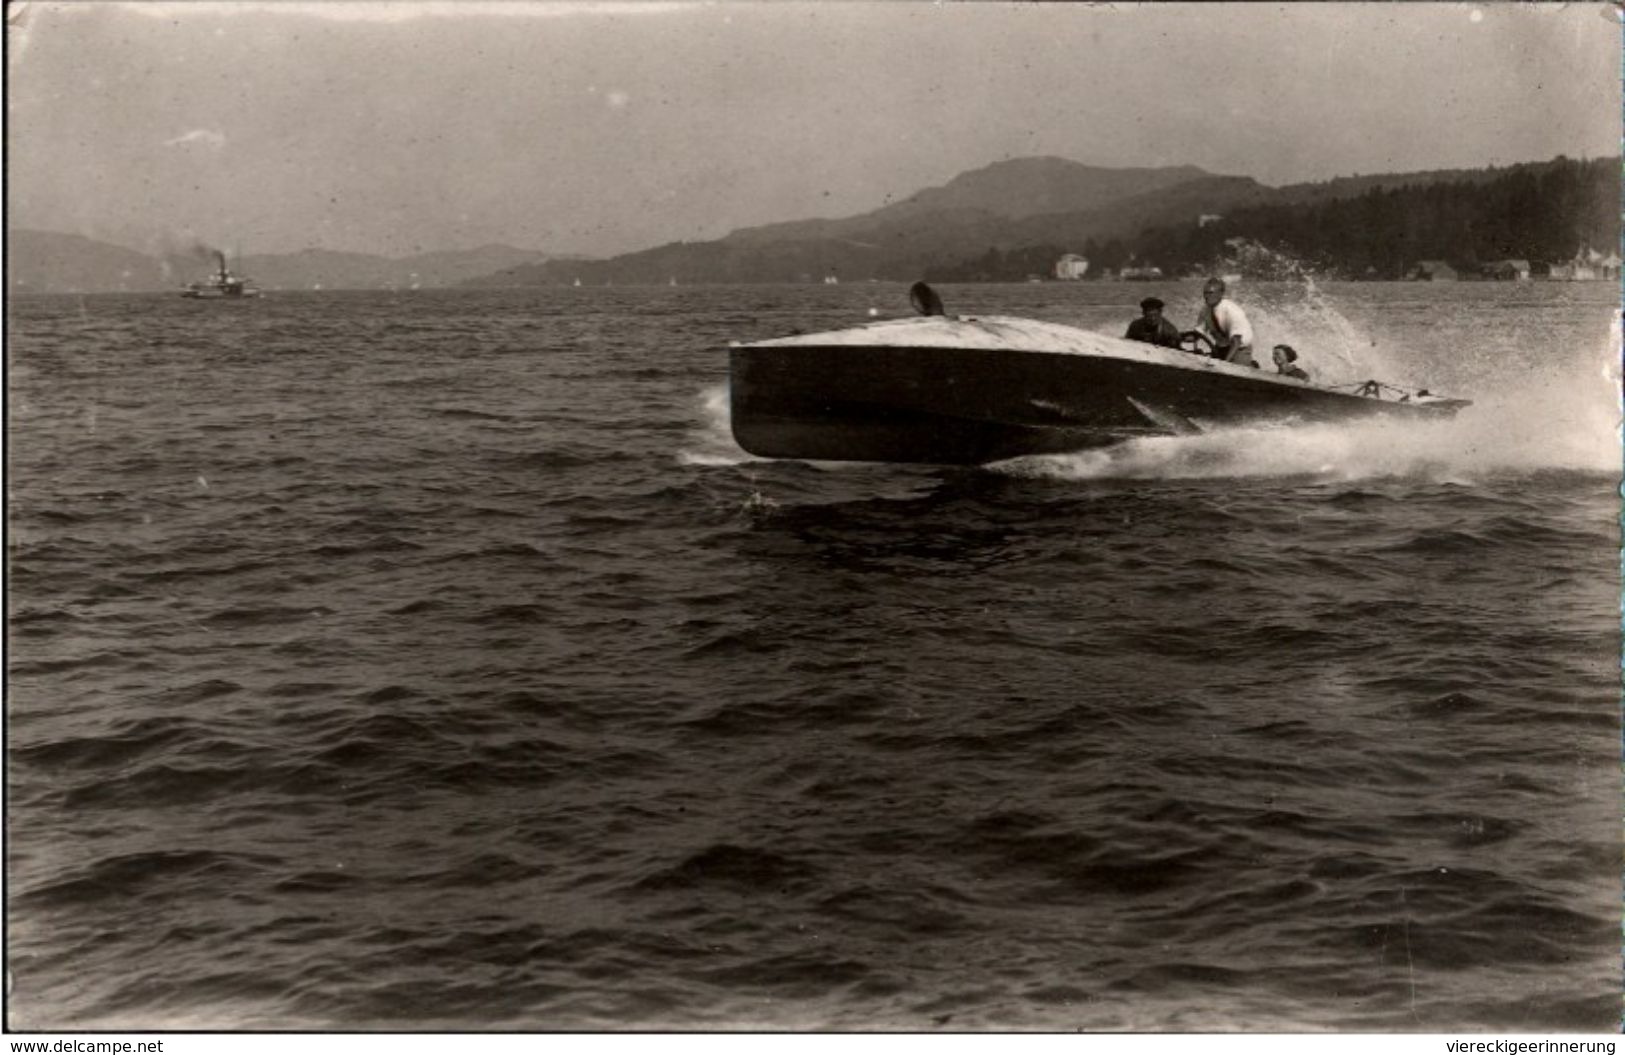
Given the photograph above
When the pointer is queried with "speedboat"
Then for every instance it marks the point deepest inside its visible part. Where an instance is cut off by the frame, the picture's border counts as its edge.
(221, 284)
(964, 390)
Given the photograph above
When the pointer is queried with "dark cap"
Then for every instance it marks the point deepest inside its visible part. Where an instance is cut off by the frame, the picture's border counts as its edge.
(1150, 302)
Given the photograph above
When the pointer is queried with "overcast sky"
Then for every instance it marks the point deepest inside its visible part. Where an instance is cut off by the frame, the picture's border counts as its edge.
(408, 126)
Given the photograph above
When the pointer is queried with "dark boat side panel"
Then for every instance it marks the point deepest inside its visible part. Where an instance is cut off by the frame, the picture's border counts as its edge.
(968, 405)
(854, 432)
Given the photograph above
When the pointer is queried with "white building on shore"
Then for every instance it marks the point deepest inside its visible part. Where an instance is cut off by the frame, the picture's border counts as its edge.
(1071, 267)
(1588, 265)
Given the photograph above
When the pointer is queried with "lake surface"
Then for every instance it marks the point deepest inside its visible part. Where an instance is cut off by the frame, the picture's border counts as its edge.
(436, 661)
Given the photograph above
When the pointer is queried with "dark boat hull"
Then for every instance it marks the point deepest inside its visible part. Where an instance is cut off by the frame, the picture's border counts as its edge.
(945, 391)
(220, 294)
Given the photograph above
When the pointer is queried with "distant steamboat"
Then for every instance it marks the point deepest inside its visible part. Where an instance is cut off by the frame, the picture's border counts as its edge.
(222, 285)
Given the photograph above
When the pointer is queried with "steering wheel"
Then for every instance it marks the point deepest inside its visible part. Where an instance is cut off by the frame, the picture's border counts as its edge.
(1193, 341)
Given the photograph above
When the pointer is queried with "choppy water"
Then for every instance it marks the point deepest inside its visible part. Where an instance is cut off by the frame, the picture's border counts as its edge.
(436, 661)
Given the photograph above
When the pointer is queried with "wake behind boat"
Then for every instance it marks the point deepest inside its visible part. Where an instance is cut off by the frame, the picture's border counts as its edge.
(971, 389)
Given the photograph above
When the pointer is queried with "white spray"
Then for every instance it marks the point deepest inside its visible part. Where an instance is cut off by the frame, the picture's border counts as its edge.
(711, 441)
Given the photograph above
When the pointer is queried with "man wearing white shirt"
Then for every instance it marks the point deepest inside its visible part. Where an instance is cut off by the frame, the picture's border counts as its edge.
(1226, 324)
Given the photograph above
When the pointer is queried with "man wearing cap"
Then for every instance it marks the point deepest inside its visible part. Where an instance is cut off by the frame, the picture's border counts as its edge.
(1151, 327)
(1226, 325)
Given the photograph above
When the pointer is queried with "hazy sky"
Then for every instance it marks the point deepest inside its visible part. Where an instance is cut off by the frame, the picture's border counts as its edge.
(404, 126)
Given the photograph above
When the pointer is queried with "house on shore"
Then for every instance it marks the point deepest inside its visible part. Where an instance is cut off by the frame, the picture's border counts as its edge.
(1588, 265)
(1508, 270)
(1071, 267)
(1432, 271)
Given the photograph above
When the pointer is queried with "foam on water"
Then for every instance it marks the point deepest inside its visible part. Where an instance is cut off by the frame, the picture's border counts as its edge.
(1329, 345)
(711, 442)
(1334, 348)
(1553, 421)
(1447, 451)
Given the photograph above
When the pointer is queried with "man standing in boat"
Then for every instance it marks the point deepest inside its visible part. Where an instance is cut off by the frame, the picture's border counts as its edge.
(1151, 327)
(1226, 325)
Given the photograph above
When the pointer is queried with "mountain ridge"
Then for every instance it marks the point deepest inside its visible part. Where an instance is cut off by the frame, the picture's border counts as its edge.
(1016, 204)
(1012, 189)
(979, 213)
(40, 261)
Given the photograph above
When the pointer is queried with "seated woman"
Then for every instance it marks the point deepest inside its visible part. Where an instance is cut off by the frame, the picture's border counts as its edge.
(1285, 357)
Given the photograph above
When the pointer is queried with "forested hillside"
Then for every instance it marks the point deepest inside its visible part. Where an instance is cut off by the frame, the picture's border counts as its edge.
(1540, 213)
